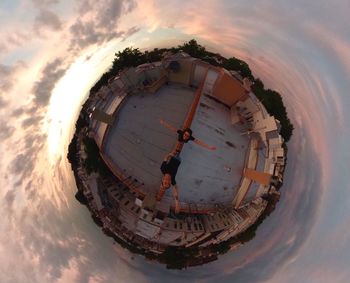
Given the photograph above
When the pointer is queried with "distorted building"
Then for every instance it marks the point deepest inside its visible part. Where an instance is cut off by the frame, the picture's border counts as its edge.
(219, 190)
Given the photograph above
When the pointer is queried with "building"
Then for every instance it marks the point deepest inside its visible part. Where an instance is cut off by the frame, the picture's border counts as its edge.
(220, 191)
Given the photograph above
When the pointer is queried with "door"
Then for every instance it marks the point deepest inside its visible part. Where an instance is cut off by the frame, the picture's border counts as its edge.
(210, 81)
(199, 75)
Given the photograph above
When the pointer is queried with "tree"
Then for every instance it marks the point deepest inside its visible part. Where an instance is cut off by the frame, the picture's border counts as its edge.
(79, 196)
(273, 103)
(240, 66)
(193, 48)
(129, 57)
(155, 55)
(72, 152)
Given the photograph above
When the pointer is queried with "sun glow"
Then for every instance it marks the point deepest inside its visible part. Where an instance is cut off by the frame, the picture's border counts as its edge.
(70, 93)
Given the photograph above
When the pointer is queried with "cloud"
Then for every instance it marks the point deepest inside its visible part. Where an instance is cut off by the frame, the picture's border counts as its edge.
(13, 39)
(108, 14)
(17, 38)
(30, 121)
(3, 102)
(23, 164)
(47, 19)
(44, 241)
(41, 3)
(9, 199)
(15, 35)
(130, 32)
(51, 73)
(28, 141)
(5, 130)
(17, 112)
(98, 22)
(8, 77)
(27, 150)
(6, 82)
(40, 245)
(86, 33)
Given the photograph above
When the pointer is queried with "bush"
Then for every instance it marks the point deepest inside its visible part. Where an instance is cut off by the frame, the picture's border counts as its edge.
(93, 161)
(273, 103)
(239, 66)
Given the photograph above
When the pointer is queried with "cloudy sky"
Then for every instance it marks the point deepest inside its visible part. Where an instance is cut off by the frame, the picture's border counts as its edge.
(51, 53)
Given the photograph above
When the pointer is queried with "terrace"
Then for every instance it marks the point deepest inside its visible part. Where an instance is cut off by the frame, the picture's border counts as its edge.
(136, 144)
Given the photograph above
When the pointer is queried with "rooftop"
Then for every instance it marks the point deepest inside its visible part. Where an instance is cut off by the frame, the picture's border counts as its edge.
(212, 176)
(221, 191)
(220, 112)
(137, 143)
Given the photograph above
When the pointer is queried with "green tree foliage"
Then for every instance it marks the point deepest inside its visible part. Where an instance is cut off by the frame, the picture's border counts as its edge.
(249, 234)
(79, 196)
(223, 247)
(129, 57)
(72, 148)
(93, 161)
(198, 51)
(72, 152)
(273, 103)
(97, 220)
(102, 81)
(239, 66)
(178, 258)
(193, 48)
(173, 258)
(154, 55)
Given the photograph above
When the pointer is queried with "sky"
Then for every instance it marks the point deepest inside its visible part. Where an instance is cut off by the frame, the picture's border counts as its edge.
(52, 52)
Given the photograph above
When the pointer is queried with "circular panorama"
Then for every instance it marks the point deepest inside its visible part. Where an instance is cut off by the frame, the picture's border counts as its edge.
(178, 159)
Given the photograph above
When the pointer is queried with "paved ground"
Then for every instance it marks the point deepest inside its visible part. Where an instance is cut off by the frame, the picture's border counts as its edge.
(207, 176)
(138, 143)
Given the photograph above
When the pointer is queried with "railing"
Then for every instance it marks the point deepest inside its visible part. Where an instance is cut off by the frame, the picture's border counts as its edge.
(154, 86)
